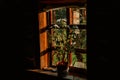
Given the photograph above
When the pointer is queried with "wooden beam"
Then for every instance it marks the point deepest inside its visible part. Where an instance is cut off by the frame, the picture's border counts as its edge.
(44, 5)
(61, 1)
(79, 26)
(43, 39)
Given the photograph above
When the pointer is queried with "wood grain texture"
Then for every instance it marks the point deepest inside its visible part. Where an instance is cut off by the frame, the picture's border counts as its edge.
(43, 39)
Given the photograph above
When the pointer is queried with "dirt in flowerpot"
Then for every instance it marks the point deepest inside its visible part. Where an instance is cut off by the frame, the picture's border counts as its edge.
(62, 69)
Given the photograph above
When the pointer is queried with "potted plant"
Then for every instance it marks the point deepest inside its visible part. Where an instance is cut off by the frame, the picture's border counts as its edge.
(59, 40)
(62, 37)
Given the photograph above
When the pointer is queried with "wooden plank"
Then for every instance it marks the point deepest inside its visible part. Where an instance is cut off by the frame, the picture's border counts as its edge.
(43, 39)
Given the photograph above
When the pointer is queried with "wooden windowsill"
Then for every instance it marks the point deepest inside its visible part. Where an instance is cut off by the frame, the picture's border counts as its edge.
(54, 74)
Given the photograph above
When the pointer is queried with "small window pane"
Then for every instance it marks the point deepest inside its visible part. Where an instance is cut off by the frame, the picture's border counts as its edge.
(79, 16)
(79, 59)
(58, 14)
(78, 37)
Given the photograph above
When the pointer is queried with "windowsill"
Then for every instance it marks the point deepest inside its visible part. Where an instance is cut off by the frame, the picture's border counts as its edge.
(54, 74)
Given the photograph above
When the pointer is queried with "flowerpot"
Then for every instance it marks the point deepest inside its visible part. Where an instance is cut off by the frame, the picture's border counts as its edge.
(62, 69)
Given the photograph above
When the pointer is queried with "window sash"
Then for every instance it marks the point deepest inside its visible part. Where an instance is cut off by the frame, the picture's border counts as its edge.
(70, 23)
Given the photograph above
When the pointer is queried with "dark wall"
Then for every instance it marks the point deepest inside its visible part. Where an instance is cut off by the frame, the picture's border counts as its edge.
(31, 33)
(102, 39)
(19, 36)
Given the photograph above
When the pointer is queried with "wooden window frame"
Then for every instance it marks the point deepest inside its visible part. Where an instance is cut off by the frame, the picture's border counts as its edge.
(70, 23)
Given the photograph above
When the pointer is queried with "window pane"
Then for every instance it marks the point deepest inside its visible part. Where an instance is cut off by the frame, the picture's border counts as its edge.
(79, 60)
(79, 16)
(58, 34)
(76, 16)
(78, 37)
(59, 38)
(58, 14)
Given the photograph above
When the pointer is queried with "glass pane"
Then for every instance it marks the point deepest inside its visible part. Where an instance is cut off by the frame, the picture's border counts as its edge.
(81, 42)
(83, 15)
(76, 16)
(59, 38)
(79, 60)
(79, 16)
(78, 38)
(58, 14)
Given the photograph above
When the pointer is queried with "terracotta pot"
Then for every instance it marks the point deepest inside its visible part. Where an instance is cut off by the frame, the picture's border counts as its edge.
(62, 69)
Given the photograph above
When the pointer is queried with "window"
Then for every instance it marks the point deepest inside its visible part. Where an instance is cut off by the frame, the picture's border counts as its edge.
(67, 24)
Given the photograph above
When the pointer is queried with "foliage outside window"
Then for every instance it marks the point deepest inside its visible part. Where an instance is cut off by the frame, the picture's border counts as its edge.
(65, 39)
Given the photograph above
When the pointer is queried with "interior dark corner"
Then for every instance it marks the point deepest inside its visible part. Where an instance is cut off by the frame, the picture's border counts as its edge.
(43, 41)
